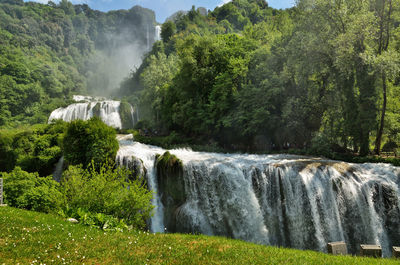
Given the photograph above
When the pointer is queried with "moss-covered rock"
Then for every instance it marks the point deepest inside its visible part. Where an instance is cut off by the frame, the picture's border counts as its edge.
(136, 167)
(125, 112)
(96, 110)
(171, 186)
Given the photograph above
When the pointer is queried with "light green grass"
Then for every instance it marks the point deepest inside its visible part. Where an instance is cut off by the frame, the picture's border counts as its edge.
(30, 237)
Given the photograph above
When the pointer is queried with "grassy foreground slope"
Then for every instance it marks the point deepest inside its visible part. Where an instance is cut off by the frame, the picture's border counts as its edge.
(29, 237)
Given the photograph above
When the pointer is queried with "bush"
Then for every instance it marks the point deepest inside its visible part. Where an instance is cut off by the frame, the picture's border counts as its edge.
(87, 141)
(108, 191)
(99, 220)
(29, 191)
(34, 149)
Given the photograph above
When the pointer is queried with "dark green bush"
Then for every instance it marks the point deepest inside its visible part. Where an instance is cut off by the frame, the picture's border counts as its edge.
(87, 141)
(34, 149)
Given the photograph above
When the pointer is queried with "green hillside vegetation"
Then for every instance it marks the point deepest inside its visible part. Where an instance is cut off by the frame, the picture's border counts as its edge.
(40, 238)
(33, 148)
(104, 197)
(39, 147)
(320, 76)
(49, 52)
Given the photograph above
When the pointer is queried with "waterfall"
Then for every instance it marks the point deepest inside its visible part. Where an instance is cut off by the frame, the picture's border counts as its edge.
(281, 200)
(158, 33)
(146, 155)
(87, 107)
(58, 170)
(148, 38)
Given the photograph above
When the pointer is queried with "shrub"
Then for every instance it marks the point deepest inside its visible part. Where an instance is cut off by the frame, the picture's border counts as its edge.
(108, 191)
(87, 141)
(34, 149)
(31, 192)
(102, 221)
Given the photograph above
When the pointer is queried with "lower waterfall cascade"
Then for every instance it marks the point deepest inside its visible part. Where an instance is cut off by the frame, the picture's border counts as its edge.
(281, 200)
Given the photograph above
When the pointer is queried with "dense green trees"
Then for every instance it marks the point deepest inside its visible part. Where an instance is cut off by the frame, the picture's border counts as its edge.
(251, 77)
(34, 149)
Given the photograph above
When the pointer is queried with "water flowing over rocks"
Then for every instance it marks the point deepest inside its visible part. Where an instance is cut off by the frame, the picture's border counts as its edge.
(280, 200)
(88, 107)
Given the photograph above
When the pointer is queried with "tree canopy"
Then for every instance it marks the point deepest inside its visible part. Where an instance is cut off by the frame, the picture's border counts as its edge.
(251, 77)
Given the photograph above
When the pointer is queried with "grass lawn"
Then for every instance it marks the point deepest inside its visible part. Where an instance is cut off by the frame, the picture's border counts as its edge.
(34, 238)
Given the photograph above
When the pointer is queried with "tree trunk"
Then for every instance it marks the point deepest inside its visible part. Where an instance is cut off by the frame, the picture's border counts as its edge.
(382, 124)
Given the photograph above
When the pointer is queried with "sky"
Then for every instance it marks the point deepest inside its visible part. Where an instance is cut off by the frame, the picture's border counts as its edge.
(164, 8)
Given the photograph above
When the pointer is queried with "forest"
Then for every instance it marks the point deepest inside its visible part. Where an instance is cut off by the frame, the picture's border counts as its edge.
(323, 76)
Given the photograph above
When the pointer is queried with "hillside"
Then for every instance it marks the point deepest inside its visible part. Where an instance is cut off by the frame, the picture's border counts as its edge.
(247, 77)
(49, 52)
(30, 237)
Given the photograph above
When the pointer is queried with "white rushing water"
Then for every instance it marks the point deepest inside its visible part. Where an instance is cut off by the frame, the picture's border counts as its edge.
(280, 200)
(88, 107)
(147, 154)
(158, 33)
(57, 174)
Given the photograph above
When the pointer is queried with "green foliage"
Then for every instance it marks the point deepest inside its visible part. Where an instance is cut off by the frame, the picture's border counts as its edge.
(34, 149)
(108, 191)
(320, 145)
(168, 163)
(253, 78)
(29, 191)
(87, 141)
(167, 30)
(170, 180)
(155, 79)
(99, 220)
(125, 112)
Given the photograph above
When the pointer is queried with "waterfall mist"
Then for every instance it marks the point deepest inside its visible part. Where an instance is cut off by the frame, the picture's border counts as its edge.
(120, 48)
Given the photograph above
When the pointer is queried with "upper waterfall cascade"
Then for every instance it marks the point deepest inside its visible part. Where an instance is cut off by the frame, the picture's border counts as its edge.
(88, 107)
(158, 33)
(281, 200)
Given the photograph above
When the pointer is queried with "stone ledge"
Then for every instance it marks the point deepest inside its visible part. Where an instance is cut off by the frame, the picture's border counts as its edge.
(337, 248)
(396, 252)
(371, 251)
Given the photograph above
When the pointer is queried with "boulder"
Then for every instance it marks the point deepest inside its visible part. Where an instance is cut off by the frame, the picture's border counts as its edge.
(171, 187)
(337, 248)
(371, 251)
(396, 252)
(72, 220)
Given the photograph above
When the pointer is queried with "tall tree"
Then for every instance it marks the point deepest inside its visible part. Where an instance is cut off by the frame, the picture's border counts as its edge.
(384, 9)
